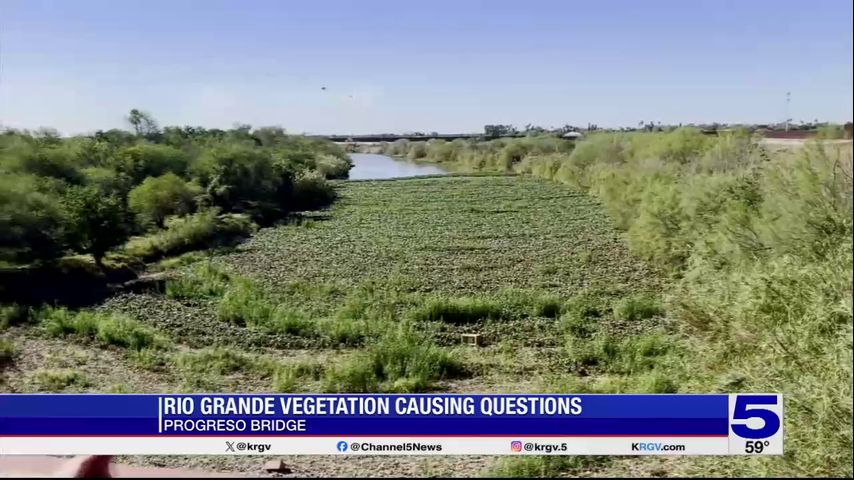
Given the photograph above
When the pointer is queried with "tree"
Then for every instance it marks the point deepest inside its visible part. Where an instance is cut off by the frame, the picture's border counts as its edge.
(499, 130)
(158, 197)
(142, 122)
(31, 221)
(237, 177)
(146, 160)
(95, 222)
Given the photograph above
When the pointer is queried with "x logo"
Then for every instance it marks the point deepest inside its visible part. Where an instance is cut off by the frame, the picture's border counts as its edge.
(229, 446)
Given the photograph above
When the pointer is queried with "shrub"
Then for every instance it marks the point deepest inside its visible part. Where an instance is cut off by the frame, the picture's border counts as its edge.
(95, 222)
(31, 220)
(205, 229)
(417, 150)
(159, 197)
(311, 190)
(238, 177)
(331, 166)
(148, 160)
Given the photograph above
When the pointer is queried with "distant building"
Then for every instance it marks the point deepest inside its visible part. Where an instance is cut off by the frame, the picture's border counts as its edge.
(572, 135)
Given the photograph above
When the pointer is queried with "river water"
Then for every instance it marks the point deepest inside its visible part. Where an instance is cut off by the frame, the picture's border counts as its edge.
(370, 166)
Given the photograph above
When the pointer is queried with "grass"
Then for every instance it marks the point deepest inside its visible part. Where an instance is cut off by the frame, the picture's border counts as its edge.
(107, 329)
(223, 361)
(59, 380)
(546, 466)
(206, 229)
(374, 295)
(637, 307)
(403, 361)
(205, 280)
(458, 310)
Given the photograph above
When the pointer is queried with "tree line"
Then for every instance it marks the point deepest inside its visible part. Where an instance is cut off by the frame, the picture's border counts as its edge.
(90, 193)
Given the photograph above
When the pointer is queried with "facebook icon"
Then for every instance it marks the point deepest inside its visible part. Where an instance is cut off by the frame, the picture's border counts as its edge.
(342, 446)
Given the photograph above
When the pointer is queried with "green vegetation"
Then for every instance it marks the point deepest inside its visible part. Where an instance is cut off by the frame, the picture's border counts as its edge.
(458, 310)
(762, 256)
(545, 466)
(59, 380)
(403, 361)
(88, 194)
(7, 352)
(666, 262)
(107, 329)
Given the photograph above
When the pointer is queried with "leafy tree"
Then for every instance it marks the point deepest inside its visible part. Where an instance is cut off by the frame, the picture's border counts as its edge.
(158, 197)
(237, 177)
(95, 222)
(149, 160)
(142, 122)
(31, 221)
(494, 131)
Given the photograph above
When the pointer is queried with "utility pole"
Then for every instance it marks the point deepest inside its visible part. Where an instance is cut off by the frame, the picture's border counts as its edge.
(788, 101)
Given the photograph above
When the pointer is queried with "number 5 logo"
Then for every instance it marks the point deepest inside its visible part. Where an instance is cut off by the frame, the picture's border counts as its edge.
(750, 406)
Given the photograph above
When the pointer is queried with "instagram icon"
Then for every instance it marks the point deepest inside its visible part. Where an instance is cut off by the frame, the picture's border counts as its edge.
(516, 446)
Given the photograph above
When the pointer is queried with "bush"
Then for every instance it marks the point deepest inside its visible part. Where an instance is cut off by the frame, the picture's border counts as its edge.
(148, 160)
(331, 166)
(31, 220)
(311, 190)
(238, 178)
(457, 310)
(95, 223)
(159, 197)
(199, 231)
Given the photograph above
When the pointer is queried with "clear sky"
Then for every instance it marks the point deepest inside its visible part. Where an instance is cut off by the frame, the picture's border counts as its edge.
(438, 65)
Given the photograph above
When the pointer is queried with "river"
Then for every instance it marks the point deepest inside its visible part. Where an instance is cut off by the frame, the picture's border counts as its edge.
(370, 166)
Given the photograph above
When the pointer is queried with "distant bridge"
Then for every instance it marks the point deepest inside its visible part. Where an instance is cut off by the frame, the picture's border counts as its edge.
(389, 137)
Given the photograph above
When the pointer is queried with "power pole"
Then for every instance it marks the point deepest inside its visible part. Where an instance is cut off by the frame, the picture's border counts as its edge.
(788, 101)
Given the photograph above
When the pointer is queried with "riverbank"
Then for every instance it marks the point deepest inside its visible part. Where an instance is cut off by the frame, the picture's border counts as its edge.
(758, 242)
(386, 279)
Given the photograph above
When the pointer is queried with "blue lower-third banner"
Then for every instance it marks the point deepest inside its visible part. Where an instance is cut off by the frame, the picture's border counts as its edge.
(555, 424)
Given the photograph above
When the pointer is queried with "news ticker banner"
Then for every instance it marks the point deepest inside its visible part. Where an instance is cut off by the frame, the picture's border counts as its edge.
(564, 424)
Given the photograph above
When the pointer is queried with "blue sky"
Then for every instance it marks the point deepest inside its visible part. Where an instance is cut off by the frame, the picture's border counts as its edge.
(395, 66)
